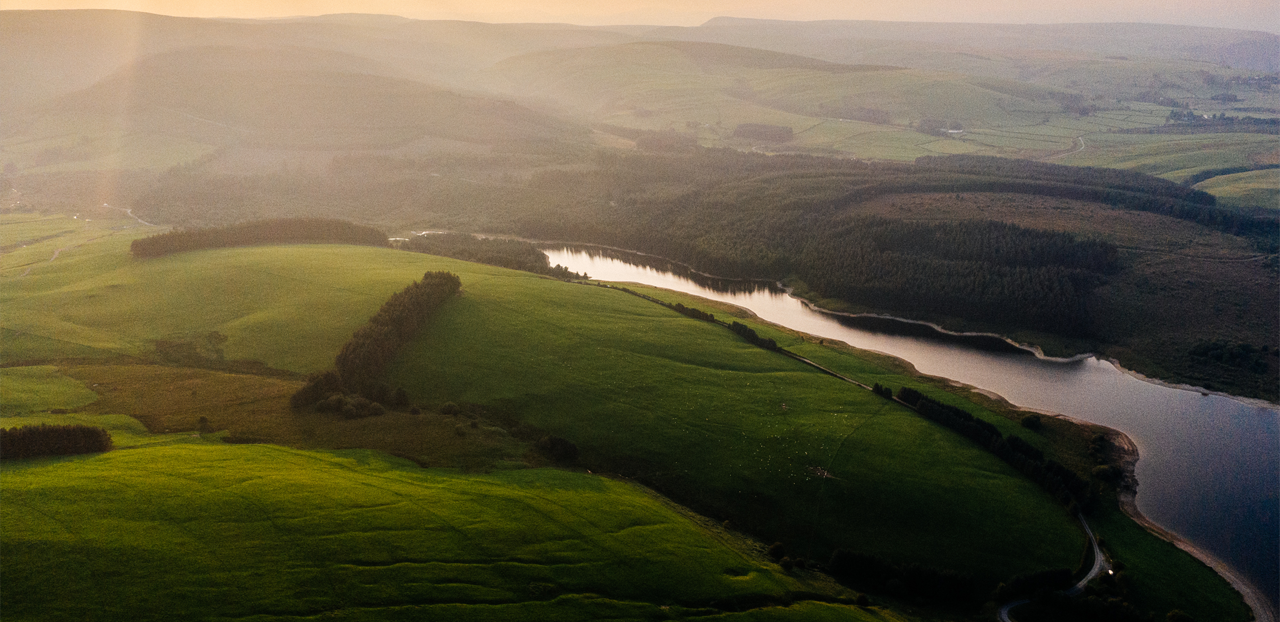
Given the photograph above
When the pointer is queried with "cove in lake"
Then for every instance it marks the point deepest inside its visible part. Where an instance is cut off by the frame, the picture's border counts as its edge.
(1210, 465)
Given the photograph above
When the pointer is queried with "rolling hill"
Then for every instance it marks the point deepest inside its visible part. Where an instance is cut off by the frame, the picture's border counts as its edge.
(44, 54)
(292, 99)
(742, 434)
(204, 530)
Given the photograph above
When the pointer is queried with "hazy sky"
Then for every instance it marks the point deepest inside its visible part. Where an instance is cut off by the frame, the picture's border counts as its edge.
(1248, 14)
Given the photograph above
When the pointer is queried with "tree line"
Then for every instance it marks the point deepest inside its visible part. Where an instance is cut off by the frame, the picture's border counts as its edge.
(1229, 170)
(513, 254)
(1058, 480)
(35, 441)
(749, 334)
(364, 358)
(745, 215)
(697, 314)
(253, 233)
(1010, 168)
(742, 330)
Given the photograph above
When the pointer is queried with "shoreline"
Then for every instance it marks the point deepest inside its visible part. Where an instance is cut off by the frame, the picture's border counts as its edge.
(1127, 494)
(1030, 348)
(1128, 453)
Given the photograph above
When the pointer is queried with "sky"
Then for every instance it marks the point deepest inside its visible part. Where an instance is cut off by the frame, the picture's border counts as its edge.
(1245, 14)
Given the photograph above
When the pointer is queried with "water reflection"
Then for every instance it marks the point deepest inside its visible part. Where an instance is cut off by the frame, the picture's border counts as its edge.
(1210, 467)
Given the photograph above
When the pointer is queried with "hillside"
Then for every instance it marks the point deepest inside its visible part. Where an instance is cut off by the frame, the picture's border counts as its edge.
(961, 88)
(846, 40)
(280, 286)
(294, 99)
(52, 53)
(191, 527)
(704, 91)
(277, 287)
(677, 403)
(845, 234)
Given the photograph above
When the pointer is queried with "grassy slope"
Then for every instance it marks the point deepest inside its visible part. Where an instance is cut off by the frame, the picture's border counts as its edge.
(798, 425)
(204, 530)
(174, 525)
(585, 354)
(704, 91)
(173, 108)
(41, 388)
(1260, 188)
(732, 430)
(290, 307)
(256, 408)
(656, 86)
(1159, 577)
(1172, 156)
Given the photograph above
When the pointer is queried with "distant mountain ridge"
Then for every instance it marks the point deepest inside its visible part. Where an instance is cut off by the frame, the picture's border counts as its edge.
(1241, 49)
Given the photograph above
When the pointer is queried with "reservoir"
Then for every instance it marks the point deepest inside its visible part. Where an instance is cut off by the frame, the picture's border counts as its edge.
(1210, 465)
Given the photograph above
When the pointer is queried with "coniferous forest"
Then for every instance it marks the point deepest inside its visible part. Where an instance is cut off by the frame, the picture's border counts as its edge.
(793, 218)
(362, 360)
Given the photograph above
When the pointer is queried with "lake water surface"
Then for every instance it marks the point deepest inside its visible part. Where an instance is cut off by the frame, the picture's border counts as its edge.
(1210, 465)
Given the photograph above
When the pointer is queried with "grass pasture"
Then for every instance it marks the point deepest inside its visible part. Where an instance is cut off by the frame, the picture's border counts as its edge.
(1255, 188)
(202, 530)
(1172, 156)
(291, 308)
(725, 428)
(739, 432)
(734, 431)
(28, 389)
(256, 408)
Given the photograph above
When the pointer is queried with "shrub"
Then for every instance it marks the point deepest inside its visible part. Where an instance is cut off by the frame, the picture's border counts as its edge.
(52, 440)
(319, 386)
(559, 450)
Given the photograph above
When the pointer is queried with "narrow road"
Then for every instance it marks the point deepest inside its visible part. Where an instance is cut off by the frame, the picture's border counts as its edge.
(1004, 611)
(1059, 155)
(1100, 564)
(133, 216)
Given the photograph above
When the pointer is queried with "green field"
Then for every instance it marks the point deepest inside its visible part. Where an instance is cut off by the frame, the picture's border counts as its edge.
(291, 307)
(1255, 188)
(202, 530)
(27, 389)
(1172, 156)
(182, 526)
(739, 432)
(732, 431)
